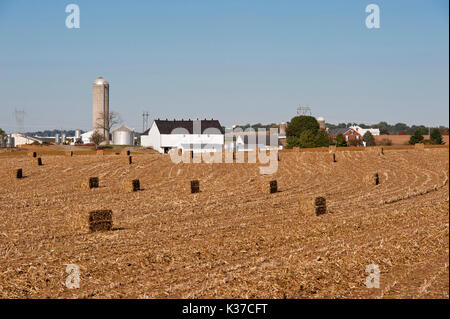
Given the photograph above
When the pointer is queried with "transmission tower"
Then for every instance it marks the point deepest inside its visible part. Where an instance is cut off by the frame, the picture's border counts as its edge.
(304, 110)
(20, 119)
(144, 121)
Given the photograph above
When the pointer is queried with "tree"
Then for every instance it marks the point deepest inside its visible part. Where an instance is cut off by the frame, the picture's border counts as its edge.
(322, 139)
(2, 132)
(436, 136)
(417, 137)
(307, 139)
(300, 124)
(292, 141)
(369, 139)
(113, 119)
(97, 138)
(340, 140)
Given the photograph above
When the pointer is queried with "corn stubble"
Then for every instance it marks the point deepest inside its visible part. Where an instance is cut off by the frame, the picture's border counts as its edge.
(233, 239)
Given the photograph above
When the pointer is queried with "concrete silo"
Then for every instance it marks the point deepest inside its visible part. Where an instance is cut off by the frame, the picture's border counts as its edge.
(100, 107)
(283, 128)
(321, 122)
(123, 136)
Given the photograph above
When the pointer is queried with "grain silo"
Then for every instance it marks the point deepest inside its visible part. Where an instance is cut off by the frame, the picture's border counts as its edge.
(321, 122)
(123, 136)
(77, 134)
(283, 128)
(57, 139)
(100, 107)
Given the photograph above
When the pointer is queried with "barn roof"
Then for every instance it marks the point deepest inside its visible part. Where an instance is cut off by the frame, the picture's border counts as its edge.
(167, 126)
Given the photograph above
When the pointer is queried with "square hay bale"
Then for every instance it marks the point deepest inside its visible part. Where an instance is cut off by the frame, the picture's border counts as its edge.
(92, 221)
(372, 179)
(419, 146)
(273, 187)
(39, 161)
(69, 153)
(17, 173)
(131, 185)
(312, 205)
(32, 154)
(195, 186)
(91, 182)
(125, 152)
(333, 157)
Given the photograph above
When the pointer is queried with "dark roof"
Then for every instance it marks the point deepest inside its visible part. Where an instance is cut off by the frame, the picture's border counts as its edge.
(259, 139)
(166, 126)
(336, 131)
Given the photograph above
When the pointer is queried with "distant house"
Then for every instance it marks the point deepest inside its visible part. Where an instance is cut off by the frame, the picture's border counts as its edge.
(348, 132)
(196, 135)
(362, 131)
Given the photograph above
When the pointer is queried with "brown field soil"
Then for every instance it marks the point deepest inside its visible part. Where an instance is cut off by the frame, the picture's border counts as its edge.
(404, 139)
(233, 239)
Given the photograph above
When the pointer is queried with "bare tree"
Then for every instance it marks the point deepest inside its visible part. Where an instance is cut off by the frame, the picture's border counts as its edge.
(97, 138)
(113, 119)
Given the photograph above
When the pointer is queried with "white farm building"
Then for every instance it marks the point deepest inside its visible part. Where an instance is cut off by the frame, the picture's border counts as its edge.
(187, 135)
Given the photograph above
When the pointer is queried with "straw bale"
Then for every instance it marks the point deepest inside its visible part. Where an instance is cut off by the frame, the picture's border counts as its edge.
(16, 173)
(131, 185)
(91, 221)
(91, 182)
(195, 186)
(312, 205)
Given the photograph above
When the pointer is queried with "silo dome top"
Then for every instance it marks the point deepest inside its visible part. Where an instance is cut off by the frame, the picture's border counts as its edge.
(320, 119)
(101, 81)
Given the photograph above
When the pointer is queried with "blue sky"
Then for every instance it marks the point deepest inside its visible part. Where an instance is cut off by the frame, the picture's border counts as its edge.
(238, 61)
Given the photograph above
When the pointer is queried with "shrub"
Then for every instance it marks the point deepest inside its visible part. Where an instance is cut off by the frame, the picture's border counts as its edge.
(436, 136)
(369, 139)
(340, 140)
(417, 137)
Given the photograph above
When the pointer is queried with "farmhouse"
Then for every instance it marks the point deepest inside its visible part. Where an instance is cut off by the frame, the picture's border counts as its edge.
(196, 135)
(362, 131)
(349, 133)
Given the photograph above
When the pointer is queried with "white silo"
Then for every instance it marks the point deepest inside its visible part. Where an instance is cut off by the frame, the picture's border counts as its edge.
(283, 128)
(123, 136)
(321, 122)
(100, 107)
(77, 134)
(57, 139)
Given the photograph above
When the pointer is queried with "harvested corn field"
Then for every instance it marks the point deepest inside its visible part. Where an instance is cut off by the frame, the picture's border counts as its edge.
(234, 238)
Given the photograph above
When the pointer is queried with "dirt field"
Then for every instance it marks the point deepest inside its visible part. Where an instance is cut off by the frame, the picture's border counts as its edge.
(404, 139)
(233, 239)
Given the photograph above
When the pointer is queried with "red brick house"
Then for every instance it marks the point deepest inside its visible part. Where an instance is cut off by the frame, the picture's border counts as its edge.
(349, 134)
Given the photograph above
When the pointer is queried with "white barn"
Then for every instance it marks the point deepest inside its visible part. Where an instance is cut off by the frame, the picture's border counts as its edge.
(195, 135)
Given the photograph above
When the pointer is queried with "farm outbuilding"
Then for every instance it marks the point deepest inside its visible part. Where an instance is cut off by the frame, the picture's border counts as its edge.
(195, 135)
